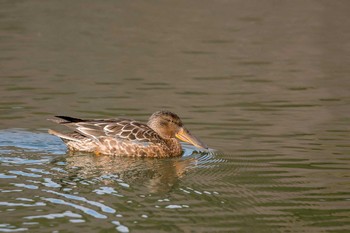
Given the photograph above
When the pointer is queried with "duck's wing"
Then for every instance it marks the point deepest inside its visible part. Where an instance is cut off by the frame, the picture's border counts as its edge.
(132, 130)
(124, 129)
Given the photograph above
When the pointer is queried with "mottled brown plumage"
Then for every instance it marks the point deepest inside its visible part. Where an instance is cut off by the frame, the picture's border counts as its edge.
(127, 137)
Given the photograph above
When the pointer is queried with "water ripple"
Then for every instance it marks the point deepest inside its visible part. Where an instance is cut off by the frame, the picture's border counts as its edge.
(20, 161)
(4, 176)
(25, 186)
(9, 228)
(26, 174)
(106, 190)
(49, 183)
(37, 170)
(121, 228)
(53, 216)
(86, 210)
(10, 204)
(103, 207)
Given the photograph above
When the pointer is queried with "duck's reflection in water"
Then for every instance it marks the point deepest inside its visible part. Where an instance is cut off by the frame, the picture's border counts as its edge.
(156, 175)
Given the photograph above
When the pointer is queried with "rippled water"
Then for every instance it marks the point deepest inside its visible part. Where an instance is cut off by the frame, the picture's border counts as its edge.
(264, 83)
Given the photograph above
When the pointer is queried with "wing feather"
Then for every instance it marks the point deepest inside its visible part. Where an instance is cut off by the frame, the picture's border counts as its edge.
(124, 129)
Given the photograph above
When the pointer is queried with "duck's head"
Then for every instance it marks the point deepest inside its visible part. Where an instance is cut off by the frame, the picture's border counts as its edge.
(169, 125)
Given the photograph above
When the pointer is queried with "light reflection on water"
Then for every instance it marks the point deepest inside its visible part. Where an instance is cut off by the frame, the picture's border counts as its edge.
(57, 181)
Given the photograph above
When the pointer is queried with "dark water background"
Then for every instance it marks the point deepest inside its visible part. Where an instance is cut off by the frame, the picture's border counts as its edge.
(265, 83)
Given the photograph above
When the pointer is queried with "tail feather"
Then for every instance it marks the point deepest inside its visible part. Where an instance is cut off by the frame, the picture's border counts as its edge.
(64, 136)
(65, 119)
(70, 119)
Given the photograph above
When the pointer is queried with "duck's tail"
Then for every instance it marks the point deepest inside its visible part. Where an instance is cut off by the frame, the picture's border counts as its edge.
(65, 119)
(65, 137)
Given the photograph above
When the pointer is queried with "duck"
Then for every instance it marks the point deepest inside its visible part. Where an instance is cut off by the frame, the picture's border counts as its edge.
(158, 138)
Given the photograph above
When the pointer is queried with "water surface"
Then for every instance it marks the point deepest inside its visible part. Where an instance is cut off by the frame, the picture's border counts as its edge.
(264, 84)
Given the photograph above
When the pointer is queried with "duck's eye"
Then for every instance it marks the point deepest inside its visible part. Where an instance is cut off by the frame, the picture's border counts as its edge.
(163, 123)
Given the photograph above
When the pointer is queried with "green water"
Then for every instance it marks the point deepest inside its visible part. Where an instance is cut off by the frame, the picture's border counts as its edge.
(264, 83)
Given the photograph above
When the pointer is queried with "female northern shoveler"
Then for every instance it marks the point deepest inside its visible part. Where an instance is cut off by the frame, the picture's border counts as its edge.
(127, 137)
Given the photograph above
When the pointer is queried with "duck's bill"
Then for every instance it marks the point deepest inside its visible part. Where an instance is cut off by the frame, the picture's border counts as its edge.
(186, 136)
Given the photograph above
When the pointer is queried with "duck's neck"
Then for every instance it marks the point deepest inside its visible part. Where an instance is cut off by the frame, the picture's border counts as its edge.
(174, 146)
